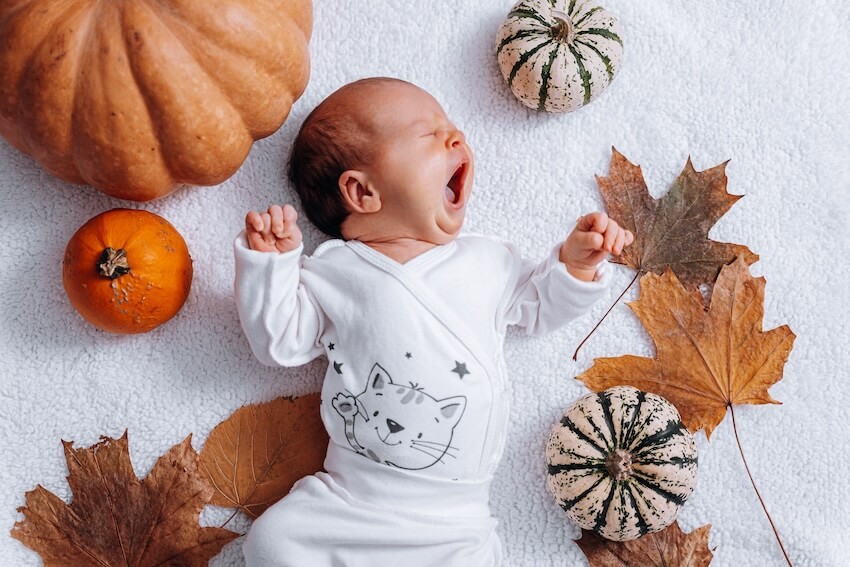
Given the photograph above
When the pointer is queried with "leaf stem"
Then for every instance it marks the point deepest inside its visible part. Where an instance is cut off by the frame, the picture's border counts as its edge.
(637, 275)
(769, 519)
(233, 515)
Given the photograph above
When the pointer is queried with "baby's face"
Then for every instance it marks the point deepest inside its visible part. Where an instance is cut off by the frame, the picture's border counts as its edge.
(423, 167)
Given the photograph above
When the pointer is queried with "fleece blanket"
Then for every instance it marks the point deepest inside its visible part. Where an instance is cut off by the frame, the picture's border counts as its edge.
(764, 84)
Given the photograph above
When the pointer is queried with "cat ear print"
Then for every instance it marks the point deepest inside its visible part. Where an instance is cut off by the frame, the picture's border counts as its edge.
(452, 408)
(379, 377)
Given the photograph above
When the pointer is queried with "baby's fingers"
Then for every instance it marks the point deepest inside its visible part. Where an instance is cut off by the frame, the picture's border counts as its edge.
(253, 222)
(619, 242)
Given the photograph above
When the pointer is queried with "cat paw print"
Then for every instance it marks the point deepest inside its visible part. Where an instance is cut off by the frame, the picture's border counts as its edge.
(346, 406)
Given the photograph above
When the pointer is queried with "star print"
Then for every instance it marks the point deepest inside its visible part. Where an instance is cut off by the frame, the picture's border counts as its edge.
(408, 355)
(460, 368)
(338, 367)
(330, 346)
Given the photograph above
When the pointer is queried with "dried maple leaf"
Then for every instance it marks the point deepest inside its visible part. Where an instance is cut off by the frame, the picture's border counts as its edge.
(254, 457)
(116, 519)
(668, 547)
(706, 360)
(672, 230)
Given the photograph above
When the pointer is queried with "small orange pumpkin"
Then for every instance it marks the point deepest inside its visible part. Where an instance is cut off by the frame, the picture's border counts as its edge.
(127, 271)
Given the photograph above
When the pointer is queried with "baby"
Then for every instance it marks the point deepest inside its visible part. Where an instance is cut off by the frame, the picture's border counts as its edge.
(412, 318)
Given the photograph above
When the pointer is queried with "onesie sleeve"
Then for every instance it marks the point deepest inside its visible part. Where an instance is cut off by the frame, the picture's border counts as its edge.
(541, 297)
(281, 319)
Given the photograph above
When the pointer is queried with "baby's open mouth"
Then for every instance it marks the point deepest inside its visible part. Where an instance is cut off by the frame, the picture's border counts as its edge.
(454, 188)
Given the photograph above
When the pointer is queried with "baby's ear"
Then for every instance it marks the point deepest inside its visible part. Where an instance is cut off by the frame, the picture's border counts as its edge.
(357, 193)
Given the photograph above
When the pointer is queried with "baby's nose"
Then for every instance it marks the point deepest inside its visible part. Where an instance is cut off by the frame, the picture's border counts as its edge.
(456, 138)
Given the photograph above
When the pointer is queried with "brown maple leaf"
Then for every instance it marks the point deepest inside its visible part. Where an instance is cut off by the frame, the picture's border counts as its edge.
(672, 230)
(666, 548)
(706, 360)
(116, 519)
(254, 457)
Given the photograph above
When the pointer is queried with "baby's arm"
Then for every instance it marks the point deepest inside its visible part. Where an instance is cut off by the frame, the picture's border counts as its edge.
(273, 231)
(593, 238)
(281, 319)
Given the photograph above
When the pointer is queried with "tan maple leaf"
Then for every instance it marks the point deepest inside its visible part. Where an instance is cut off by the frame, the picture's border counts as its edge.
(666, 548)
(254, 457)
(672, 230)
(116, 519)
(706, 360)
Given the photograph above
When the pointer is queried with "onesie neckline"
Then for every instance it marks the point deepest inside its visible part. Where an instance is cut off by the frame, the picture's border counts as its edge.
(416, 264)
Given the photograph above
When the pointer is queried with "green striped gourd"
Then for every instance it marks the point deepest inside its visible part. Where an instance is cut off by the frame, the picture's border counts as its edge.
(558, 55)
(621, 463)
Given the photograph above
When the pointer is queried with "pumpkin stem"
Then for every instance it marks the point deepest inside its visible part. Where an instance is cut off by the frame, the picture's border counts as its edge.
(113, 263)
(564, 30)
(619, 464)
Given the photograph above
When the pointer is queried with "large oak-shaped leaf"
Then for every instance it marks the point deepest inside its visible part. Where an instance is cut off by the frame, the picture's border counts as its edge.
(254, 457)
(116, 519)
(706, 360)
(667, 548)
(672, 231)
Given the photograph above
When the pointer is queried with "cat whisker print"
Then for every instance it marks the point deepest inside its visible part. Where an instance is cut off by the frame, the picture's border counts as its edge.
(439, 458)
(387, 422)
(435, 444)
(443, 452)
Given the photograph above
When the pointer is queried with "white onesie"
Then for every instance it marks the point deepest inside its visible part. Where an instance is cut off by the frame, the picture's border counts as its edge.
(414, 398)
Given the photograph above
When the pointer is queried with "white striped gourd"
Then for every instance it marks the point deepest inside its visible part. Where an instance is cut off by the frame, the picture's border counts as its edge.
(558, 55)
(621, 463)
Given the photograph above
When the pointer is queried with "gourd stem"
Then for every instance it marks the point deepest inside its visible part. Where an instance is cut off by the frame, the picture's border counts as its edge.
(619, 464)
(564, 30)
(769, 519)
(113, 263)
(581, 344)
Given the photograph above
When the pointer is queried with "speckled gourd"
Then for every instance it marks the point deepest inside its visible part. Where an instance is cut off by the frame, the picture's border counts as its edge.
(558, 55)
(621, 463)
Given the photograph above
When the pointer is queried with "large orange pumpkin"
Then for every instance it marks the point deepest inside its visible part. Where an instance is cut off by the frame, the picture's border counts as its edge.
(127, 271)
(138, 97)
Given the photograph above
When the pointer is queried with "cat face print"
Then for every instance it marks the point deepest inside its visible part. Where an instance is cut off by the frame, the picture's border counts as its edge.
(401, 426)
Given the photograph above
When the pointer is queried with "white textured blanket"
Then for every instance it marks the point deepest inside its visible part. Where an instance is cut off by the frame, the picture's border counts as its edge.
(762, 83)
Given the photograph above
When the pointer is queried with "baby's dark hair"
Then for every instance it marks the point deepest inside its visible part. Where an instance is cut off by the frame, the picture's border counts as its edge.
(331, 140)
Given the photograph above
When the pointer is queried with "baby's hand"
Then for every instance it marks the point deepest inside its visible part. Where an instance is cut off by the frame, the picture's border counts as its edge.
(274, 230)
(594, 237)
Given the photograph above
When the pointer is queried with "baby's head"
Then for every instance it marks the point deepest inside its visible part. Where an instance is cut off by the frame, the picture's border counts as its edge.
(379, 159)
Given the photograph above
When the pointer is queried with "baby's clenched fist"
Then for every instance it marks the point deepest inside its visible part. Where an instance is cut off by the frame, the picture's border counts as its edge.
(274, 230)
(594, 237)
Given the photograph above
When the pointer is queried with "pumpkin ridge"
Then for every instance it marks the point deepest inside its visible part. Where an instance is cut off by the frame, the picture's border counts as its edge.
(567, 504)
(26, 68)
(598, 431)
(557, 469)
(571, 7)
(586, 15)
(605, 403)
(601, 515)
(643, 527)
(605, 60)
(606, 33)
(672, 428)
(544, 84)
(567, 422)
(519, 35)
(626, 435)
(583, 73)
(523, 59)
(666, 494)
(528, 14)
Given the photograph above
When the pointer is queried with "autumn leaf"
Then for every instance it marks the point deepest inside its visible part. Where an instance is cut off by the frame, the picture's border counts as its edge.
(706, 360)
(253, 458)
(672, 231)
(668, 547)
(116, 519)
